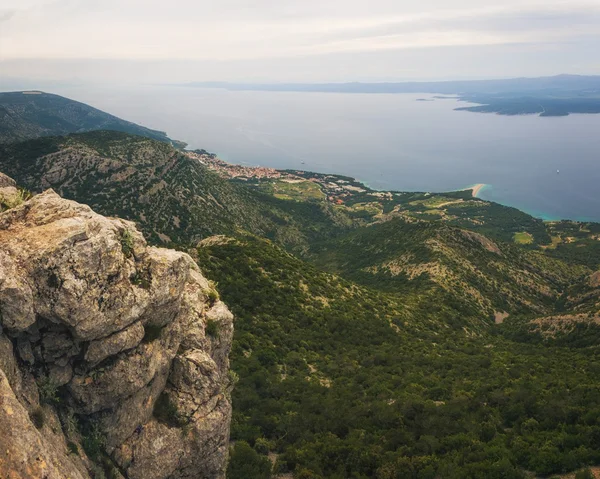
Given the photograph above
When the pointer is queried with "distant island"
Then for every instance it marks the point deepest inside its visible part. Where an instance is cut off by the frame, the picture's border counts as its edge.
(543, 106)
(558, 95)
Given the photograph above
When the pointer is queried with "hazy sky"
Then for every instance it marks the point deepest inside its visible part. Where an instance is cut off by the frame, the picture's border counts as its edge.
(303, 40)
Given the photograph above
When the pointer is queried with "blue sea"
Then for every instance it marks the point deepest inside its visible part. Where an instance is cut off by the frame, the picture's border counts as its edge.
(391, 142)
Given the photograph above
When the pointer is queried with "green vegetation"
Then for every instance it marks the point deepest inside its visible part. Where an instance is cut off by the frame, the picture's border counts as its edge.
(523, 238)
(14, 201)
(585, 474)
(346, 381)
(31, 116)
(127, 243)
(576, 243)
(73, 448)
(69, 422)
(94, 445)
(436, 201)
(38, 417)
(166, 412)
(212, 328)
(245, 462)
(532, 104)
(48, 390)
(301, 191)
(142, 279)
(475, 274)
(173, 198)
(93, 441)
(213, 294)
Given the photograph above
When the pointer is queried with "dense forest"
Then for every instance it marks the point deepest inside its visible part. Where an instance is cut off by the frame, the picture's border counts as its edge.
(343, 381)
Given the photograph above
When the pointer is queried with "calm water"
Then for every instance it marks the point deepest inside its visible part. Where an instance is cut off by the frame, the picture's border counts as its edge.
(387, 141)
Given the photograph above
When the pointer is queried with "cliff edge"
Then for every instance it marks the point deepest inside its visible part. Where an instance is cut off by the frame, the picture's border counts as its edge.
(113, 354)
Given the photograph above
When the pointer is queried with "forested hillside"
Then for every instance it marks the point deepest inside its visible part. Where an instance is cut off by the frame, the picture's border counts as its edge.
(173, 198)
(377, 334)
(31, 114)
(343, 381)
(488, 277)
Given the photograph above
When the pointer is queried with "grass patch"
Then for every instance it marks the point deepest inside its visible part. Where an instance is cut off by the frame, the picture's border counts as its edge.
(93, 442)
(16, 200)
(305, 190)
(212, 294)
(523, 238)
(436, 202)
(372, 208)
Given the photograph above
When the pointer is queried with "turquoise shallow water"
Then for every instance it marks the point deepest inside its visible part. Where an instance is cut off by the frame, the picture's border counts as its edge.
(486, 193)
(392, 142)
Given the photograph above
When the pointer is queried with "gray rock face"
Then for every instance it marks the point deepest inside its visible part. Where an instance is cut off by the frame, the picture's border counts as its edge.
(6, 181)
(119, 327)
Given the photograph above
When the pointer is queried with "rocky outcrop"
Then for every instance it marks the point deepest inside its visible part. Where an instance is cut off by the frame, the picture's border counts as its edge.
(105, 356)
(8, 192)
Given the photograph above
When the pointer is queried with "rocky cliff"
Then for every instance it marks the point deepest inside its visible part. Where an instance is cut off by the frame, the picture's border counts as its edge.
(113, 354)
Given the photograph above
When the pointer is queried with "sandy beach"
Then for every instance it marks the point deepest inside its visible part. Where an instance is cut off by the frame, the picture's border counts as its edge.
(476, 189)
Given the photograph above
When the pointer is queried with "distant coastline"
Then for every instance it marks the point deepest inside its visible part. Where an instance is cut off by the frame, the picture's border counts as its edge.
(559, 95)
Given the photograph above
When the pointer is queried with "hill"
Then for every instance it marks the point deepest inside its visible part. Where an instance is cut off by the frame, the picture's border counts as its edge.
(174, 198)
(31, 114)
(339, 380)
(490, 278)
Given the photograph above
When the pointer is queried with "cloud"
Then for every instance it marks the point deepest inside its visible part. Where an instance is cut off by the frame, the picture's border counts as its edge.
(277, 32)
(6, 15)
(236, 29)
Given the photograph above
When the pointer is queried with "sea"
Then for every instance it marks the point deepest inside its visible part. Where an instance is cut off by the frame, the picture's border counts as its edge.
(548, 167)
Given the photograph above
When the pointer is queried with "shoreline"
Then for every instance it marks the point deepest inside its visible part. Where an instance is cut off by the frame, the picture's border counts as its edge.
(476, 189)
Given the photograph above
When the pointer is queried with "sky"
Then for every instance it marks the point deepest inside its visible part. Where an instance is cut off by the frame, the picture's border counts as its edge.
(157, 41)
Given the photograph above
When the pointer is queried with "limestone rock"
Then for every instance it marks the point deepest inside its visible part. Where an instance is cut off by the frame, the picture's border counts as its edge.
(114, 344)
(24, 451)
(119, 326)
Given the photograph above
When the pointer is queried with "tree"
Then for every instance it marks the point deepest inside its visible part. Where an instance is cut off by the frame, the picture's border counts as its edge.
(246, 463)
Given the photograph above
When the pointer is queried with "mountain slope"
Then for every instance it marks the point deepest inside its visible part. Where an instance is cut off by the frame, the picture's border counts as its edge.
(27, 115)
(174, 198)
(339, 380)
(489, 278)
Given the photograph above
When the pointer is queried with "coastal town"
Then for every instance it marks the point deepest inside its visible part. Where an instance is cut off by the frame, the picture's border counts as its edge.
(337, 189)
